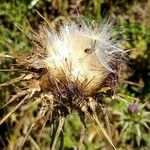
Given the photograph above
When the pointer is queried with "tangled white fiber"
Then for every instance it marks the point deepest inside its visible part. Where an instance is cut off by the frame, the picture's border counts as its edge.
(83, 52)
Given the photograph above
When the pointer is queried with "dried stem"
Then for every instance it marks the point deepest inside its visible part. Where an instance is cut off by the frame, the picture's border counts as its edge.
(34, 143)
(104, 111)
(58, 131)
(16, 107)
(81, 137)
(94, 119)
(15, 97)
(26, 136)
(94, 116)
(12, 81)
(45, 121)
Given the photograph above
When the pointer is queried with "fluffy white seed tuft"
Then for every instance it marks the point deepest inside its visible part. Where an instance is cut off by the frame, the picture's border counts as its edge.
(84, 52)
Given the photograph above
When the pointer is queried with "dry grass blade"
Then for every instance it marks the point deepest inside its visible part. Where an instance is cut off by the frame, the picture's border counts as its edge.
(131, 83)
(108, 126)
(15, 97)
(42, 17)
(22, 31)
(106, 120)
(81, 137)
(117, 97)
(12, 81)
(59, 129)
(14, 70)
(26, 136)
(94, 119)
(94, 116)
(45, 121)
(30, 129)
(34, 143)
(11, 112)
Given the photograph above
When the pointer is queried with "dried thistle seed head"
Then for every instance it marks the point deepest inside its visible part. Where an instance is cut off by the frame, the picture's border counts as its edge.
(81, 53)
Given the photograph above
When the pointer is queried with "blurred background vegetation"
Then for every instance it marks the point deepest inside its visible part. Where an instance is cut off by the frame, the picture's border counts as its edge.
(130, 125)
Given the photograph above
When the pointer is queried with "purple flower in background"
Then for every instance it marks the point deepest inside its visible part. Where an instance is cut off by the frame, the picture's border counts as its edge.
(133, 108)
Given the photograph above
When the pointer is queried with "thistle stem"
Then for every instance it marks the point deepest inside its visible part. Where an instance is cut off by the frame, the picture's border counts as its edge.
(81, 137)
(58, 131)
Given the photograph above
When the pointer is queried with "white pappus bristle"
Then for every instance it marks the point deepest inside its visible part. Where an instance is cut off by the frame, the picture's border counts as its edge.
(84, 52)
